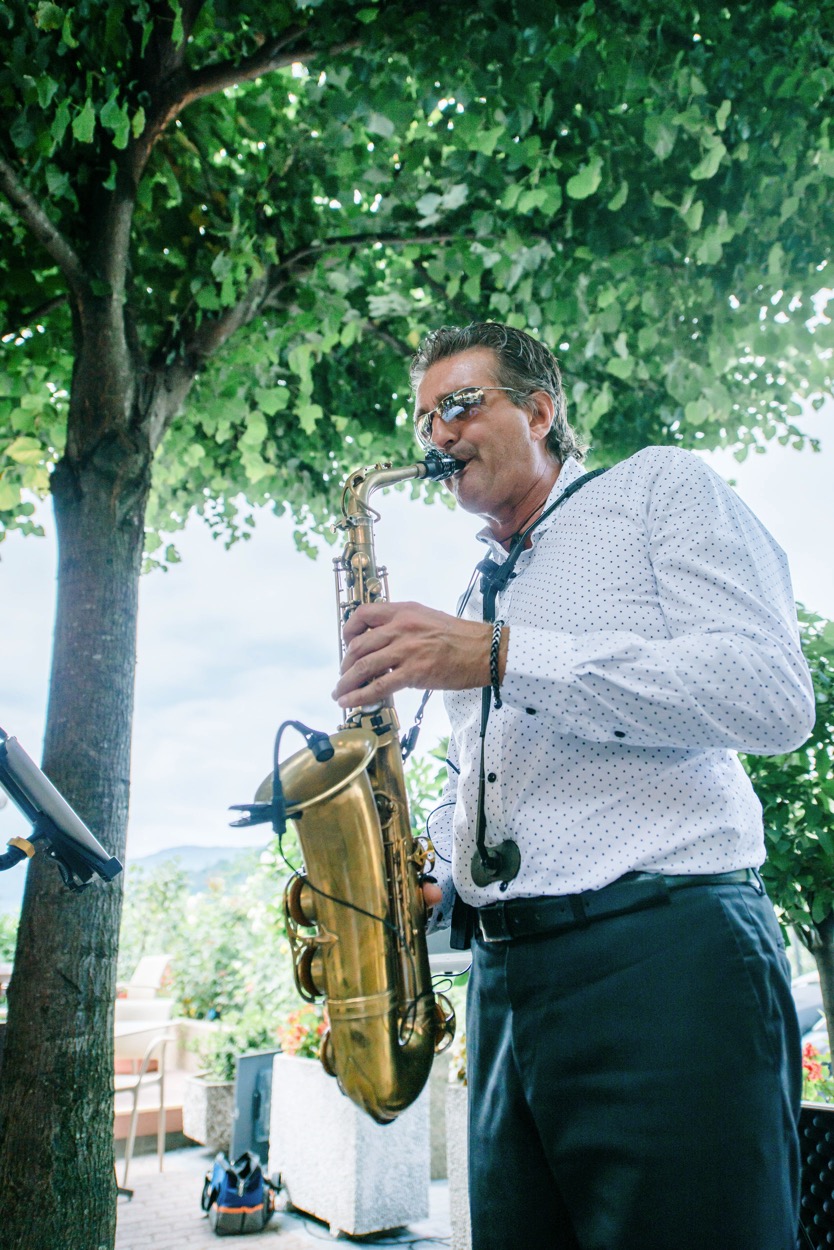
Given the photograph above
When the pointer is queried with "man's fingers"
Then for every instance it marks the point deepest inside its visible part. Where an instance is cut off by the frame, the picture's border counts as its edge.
(431, 893)
(365, 617)
(365, 644)
(367, 679)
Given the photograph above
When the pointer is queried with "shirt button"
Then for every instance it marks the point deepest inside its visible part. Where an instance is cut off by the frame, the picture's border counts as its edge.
(492, 776)
(531, 711)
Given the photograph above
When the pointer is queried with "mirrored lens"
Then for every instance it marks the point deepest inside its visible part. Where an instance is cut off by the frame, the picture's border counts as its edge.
(458, 404)
(454, 406)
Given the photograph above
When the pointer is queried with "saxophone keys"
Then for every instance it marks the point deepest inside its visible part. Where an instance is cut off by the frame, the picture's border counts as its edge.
(310, 972)
(300, 902)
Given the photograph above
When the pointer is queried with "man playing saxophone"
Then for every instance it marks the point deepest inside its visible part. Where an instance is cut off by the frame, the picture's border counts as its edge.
(633, 1053)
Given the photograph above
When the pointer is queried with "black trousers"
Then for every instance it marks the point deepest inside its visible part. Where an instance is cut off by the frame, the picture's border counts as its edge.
(635, 1084)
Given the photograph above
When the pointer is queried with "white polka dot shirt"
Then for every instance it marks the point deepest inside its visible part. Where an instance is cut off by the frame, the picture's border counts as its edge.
(652, 636)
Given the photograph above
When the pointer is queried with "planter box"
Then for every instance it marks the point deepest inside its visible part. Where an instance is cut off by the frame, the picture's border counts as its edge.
(438, 1081)
(208, 1111)
(457, 1162)
(339, 1165)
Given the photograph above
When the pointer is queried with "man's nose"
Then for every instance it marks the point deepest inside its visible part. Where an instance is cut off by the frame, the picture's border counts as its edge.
(444, 434)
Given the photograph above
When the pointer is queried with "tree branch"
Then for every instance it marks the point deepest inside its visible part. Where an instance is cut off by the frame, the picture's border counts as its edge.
(385, 336)
(36, 315)
(198, 345)
(32, 215)
(360, 240)
(184, 87)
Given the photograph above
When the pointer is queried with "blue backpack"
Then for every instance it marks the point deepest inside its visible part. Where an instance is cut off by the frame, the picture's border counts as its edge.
(237, 1197)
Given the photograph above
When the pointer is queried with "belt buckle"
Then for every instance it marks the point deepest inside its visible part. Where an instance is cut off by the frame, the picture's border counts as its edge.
(495, 909)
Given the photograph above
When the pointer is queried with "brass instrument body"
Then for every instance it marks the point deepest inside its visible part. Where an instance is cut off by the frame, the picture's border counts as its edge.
(356, 915)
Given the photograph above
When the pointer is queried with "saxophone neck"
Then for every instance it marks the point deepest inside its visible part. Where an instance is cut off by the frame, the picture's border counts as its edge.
(363, 483)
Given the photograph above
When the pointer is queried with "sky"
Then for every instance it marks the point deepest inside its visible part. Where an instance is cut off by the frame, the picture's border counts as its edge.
(231, 643)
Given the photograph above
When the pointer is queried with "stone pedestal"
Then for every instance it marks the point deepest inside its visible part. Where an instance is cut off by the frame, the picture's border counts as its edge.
(457, 1161)
(336, 1162)
(438, 1081)
(208, 1111)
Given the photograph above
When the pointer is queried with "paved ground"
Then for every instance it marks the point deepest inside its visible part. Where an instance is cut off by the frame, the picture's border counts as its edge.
(164, 1214)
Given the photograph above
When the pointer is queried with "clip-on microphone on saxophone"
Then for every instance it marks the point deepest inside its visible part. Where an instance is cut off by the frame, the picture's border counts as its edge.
(67, 839)
(275, 811)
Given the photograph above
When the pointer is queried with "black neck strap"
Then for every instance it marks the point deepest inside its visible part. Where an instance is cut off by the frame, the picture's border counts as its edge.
(502, 863)
(496, 576)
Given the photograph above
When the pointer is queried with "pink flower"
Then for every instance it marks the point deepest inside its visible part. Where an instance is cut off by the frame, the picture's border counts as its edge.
(810, 1063)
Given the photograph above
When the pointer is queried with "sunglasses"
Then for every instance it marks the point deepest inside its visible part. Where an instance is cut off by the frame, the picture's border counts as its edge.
(455, 407)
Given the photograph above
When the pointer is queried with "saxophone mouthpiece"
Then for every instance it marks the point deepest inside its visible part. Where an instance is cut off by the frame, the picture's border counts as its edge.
(440, 466)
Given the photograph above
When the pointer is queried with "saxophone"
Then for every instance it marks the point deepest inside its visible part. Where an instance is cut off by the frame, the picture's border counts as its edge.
(355, 915)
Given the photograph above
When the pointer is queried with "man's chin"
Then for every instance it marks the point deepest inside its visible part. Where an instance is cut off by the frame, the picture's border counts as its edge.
(464, 487)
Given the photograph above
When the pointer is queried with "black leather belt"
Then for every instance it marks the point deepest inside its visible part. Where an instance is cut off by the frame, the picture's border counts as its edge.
(527, 917)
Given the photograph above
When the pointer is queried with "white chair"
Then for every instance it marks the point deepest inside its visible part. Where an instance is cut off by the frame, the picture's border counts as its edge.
(134, 1082)
(148, 977)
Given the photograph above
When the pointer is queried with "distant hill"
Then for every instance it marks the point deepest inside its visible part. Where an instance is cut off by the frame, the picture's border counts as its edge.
(200, 863)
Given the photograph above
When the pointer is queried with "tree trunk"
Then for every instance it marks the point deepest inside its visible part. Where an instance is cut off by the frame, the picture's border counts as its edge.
(57, 1175)
(823, 952)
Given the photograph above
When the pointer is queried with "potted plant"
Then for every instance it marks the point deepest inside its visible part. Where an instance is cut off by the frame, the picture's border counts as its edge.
(335, 1162)
(208, 1100)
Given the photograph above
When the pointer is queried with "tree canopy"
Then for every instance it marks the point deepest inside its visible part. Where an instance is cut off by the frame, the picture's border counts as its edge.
(283, 198)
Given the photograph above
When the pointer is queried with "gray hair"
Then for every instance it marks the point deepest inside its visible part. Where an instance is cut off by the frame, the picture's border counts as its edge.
(523, 365)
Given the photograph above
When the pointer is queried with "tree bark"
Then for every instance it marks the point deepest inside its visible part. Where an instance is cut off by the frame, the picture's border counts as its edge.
(56, 1101)
(823, 951)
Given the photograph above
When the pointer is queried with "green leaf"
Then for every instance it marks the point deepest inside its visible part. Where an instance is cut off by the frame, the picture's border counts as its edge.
(49, 17)
(255, 432)
(25, 451)
(114, 116)
(586, 182)
(177, 33)
(698, 412)
(308, 416)
(60, 121)
(379, 124)
(693, 215)
(618, 200)
(84, 125)
(528, 200)
(46, 90)
(659, 133)
(826, 162)
(709, 250)
(66, 32)
(486, 140)
(137, 124)
(621, 368)
(722, 114)
(272, 399)
(707, 167)
(9, 493)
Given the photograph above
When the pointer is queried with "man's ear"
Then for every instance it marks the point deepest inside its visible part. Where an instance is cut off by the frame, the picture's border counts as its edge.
(540, 413)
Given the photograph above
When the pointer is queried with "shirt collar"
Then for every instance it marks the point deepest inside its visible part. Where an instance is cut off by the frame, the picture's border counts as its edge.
(569, 472)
